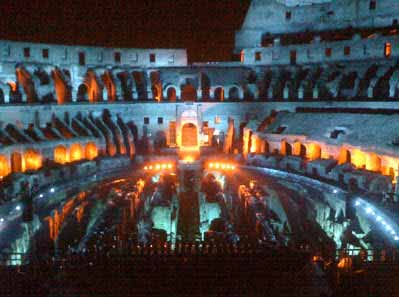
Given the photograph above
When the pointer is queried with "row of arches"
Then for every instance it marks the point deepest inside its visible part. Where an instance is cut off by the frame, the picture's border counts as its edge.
(31, 160)
(356, 157)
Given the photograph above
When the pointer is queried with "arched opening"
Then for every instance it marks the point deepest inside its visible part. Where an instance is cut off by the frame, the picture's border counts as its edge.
(76, 152)
(156, 85)
(344, 156)
(286, 148)
(83, 93)
(2, 101)
(299, 150)
(4, 167)
(171, 94)
(358, 158)
(33, 160)
(16, 162)
(95, 89)
(189, 135)
(110, 86)
(314, 151)
(219, 94)
(62, 91)
(266, 147)
(141, 86)
(24, 79)
(61, 154)
(188, 93)
(373, 162)
(234, 93)
(91, 151)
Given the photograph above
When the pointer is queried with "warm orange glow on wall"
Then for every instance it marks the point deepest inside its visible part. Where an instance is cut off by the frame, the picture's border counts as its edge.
(4, 167)
(76, 152)
(285, 148)
(373, 162)
(314, 151)
(33, 160)
(254, 144)
(13, 86)
(388, 49)
(91, 151)
(61, 155)
(221, 166)
(358, 158)
(344, 156)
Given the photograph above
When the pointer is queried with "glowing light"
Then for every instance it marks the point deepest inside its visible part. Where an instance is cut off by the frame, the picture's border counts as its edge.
(217, 166)
(158, 166)
(210, 165)
(18, 207)
(336, 191)
(1, 220)
(164, 166)
(145, 167)
(369, 210)
(150, 167)
(52, 190)
(170, 166)
(357, 203)
(396, 238)
(379, 219)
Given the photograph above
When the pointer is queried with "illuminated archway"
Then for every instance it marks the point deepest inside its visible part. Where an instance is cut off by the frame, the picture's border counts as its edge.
(285, 148)
(91, 151)
(33, 160)
(188, 93)
(76, 152)
(171, 94)
(344, 156)
(4, 167)
(314, 151)
(16, 162)
(299, 149)
(219, 94)
(83, 93)
(189, 135)
(358, 158)
(373, 162)
(61, 155)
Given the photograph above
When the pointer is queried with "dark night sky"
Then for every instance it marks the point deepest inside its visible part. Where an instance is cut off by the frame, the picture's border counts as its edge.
(205, 27)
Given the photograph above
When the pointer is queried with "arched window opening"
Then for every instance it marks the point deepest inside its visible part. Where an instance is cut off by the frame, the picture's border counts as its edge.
(299, 150)
(286, 148)
(76, 152)
(234, 93)
(189, 135)
(83, 93)
(61, 155)
(91, 151)
(219, 94)
(4, 167)
(16, 162)
(33, 160)
(314, 151)
(344, 156)
(171, 94)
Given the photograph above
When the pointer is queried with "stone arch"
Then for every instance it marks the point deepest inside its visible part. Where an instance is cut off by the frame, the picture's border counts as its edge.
(299, 149)
(235, 93)
(62, 90)
(76, 152)
(314, 151)
(17, 162)
(188, 92)
(33, 160)
(83, 93)
(94, 87)
(218, 93)
(344, 156)
(109, 84)
(358, 158)
(91, 151)
(141, 85)
(171, 94)
(24, 79)
(189, 135)
(61, 154)
(285, 148)
(4, 166)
